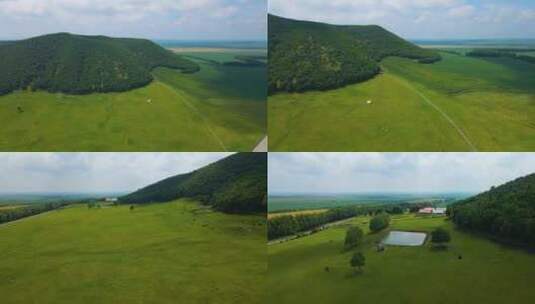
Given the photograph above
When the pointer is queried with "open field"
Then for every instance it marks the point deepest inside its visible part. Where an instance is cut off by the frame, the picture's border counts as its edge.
(5, 207)
(303, 202)
(220, 108)
(457, 104)
(214, 50)
(162, 253)
(294, 213)
(487, 272)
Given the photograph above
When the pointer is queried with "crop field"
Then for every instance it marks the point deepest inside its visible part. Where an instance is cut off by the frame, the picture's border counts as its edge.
(220, 108)
(304, 202)
(295, 213)
(6, 207)
(487, 273)
(457, 104)
(176, 252)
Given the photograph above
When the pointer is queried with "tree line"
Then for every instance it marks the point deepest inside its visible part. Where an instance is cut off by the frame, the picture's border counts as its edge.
(13, 214)
(496, 53)
(285, 225)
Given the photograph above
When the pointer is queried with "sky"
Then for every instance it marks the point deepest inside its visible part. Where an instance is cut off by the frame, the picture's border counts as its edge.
(93, 172)
(421, 19)
(152, 19)
(394, 172)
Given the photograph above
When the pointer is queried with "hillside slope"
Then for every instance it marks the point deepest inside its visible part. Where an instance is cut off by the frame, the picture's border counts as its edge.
(236, 184)
(506, 211)
(83, 64)
(306, 55)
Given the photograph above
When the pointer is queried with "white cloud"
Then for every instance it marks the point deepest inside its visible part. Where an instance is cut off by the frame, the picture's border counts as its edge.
(437, 19)
(394, 172)
(145, 18)
(462, 11)
(93, 172)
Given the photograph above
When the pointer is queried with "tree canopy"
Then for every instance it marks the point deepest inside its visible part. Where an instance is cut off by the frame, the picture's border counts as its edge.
(357, 260)
(307, 55)
(281, 226)
(379, 222)
(236, 184)
(503, 53)
(440, 235)
(354, 237)
(13, 214)
(506, 211)
(78, 64)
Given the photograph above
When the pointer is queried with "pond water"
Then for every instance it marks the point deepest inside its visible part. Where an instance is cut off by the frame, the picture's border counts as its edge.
(403, 238)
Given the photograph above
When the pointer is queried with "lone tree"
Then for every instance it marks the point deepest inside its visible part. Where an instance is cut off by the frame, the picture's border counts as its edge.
(354, 237)
(131, 207)
(440, 237)
(379, 222)
(358, 260)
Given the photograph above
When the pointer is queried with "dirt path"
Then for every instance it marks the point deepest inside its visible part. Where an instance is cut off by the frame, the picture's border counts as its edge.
(201, 116)
(439, 110)
(262, 145)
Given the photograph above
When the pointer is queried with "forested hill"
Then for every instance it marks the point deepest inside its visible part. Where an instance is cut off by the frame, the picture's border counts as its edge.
(236, 184)
(506, 211)
(83, 64)
(307, 55)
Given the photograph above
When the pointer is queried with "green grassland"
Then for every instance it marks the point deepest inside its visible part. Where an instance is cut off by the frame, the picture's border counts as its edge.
(177, 252)
(219, 108)
(457, 104)
(487, 272)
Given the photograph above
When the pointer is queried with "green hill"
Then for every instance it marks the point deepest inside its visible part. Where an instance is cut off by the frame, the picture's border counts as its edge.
(236, 184)
(306, 55)
(506, 212)
(83, 64)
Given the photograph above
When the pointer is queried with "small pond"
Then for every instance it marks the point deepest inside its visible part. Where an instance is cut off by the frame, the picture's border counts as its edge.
(403, 238)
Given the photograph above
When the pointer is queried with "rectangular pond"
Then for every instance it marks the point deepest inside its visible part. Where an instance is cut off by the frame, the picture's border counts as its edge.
(404, 238)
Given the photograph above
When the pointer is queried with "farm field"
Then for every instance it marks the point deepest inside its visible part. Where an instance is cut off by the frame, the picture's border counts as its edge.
(487, 273)
(158, 253)
(220, 108)
(457, 104)
(6, 207)
(310, 202)
(295, 213)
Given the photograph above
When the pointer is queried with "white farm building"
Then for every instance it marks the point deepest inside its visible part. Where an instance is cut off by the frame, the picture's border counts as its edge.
(435, 211)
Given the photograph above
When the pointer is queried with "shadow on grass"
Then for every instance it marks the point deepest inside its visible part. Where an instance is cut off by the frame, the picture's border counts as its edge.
(354, 273)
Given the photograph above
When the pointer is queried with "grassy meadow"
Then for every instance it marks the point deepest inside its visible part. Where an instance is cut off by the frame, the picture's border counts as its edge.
(487, 273)
(219, 108)
(457, 104)
(176, 252)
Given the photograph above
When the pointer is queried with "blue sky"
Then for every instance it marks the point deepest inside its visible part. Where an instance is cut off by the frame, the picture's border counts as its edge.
(156, 19)
(422, 19)
(93, 172)
(394, 172)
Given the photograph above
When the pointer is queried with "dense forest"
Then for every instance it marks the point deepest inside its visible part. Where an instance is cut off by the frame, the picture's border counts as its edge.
(77, 64)
(506, 211)
(286, 225)
(236, 184)
(503, 53)
(13, 214)
(307, 55)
